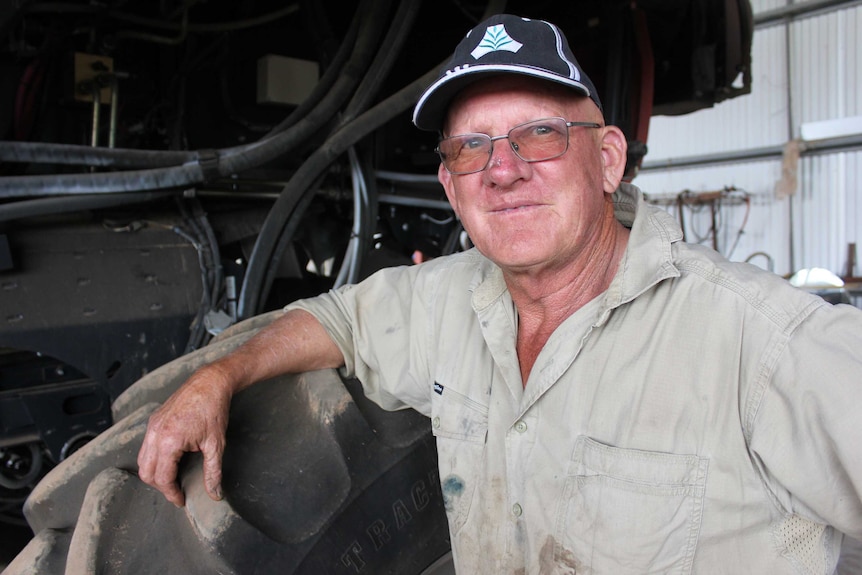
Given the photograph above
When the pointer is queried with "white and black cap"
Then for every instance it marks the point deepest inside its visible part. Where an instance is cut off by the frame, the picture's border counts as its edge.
(503, 44)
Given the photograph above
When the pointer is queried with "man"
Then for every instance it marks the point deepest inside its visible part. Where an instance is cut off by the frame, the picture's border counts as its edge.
(605, 398)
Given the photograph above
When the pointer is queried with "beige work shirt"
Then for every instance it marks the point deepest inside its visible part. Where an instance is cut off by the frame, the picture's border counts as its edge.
(700, 416)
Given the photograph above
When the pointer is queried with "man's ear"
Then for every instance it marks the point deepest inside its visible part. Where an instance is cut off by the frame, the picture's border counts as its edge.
(614, 149)
(445, 179)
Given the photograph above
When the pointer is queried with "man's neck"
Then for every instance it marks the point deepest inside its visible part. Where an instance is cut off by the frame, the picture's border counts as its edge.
(549, 292)
(544, 298)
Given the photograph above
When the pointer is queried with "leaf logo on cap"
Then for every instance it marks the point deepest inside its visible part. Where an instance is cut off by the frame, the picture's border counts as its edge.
(495, 38)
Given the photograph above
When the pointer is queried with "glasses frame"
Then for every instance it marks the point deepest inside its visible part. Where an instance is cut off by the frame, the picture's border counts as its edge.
(513, 146)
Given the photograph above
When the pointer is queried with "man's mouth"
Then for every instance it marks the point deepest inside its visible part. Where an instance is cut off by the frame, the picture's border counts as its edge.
(514, 208)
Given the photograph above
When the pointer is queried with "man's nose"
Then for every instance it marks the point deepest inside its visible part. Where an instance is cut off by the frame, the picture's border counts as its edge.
(505, 166)
(503, 151)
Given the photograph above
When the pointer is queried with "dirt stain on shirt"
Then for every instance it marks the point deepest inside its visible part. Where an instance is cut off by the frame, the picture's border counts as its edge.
(554, 558)
(452, 487)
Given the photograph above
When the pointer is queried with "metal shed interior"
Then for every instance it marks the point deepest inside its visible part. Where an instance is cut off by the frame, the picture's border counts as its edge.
(784, 162)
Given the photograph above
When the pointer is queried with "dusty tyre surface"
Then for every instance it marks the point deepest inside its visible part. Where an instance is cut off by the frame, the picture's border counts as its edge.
(317, 479)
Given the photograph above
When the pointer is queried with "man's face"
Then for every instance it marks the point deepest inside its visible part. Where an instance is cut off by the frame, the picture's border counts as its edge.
(520, 214)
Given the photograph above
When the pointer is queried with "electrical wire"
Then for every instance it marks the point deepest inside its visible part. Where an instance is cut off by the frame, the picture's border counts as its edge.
(747, 200)
(352, 258)
(198, 232)
(716, 202)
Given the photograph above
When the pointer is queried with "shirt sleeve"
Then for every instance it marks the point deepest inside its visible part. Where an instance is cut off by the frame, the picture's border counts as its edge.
(807, 429)
(381, 327)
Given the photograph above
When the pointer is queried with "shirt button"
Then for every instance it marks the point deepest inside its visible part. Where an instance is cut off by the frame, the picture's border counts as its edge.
(516, 510)
(435, 422)
(521, 426)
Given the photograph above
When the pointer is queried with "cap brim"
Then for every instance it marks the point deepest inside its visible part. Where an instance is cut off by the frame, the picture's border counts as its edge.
(431, 107)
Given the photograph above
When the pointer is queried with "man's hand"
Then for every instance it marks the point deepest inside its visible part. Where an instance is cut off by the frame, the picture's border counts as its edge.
(193, 419)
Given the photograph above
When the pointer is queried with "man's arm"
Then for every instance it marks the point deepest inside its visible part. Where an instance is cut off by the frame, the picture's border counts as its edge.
(195, 417)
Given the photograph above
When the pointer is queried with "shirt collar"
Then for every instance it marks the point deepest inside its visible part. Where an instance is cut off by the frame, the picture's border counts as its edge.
(648, 258)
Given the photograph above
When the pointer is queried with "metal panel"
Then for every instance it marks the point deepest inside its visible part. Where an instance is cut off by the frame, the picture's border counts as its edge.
(129, 297)
(826, 69)
(828, 211)
(806, 70)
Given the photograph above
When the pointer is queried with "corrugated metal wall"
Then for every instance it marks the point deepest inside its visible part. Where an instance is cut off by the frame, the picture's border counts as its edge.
(805, 69)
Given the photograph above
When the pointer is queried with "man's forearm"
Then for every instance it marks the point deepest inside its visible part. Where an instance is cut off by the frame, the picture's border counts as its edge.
(293, 343)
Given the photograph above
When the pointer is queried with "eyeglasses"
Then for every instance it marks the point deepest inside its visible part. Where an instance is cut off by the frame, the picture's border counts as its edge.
(534, 141)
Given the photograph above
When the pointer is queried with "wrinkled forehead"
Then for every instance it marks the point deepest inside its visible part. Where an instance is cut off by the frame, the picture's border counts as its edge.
(510, 86)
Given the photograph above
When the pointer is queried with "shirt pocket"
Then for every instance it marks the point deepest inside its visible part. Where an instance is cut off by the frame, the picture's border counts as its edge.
(460, 426)
(628, 511)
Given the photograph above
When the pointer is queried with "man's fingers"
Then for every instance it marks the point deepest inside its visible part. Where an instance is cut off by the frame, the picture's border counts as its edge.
(145, 463)
(147, 458)
(165, 478)
(193, 419)
(160, 470)
(212, 452)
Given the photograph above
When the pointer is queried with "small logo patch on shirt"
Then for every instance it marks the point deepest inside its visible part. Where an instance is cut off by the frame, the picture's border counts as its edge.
(438, 389)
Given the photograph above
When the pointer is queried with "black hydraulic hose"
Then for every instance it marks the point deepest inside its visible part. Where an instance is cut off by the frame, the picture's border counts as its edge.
(402, 25)
(299, 184)
(102, 182)
(50, 206)
(181, 166)
(72, 154)
(288, 231)
(212, 164)
(48, 153)
(297, 202)
(212, 28)
(207, 167)
(399, 30)
(273, 232)
(377, 70)
(232, 161)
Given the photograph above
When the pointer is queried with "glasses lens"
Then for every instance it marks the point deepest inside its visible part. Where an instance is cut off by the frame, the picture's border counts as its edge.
(466, 153)
(540, 139)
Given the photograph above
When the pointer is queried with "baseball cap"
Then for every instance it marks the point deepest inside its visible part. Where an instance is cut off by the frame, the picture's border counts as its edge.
(503, 44)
